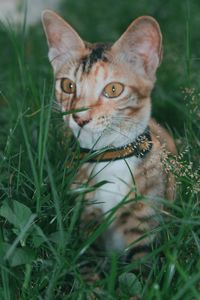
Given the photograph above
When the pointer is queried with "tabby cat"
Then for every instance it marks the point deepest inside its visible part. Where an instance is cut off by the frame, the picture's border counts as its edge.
(114, 82)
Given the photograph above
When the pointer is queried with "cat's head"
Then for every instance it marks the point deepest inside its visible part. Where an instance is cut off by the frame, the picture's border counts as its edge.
(112, 82)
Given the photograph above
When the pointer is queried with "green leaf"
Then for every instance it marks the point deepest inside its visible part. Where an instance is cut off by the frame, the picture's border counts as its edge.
(20, 256)
(72, 111)
(129, 284)
(37, 239)
(15, 213)
(88, 189)
(55, 237)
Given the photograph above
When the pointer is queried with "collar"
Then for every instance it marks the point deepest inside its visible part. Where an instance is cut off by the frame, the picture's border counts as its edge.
(139, 148)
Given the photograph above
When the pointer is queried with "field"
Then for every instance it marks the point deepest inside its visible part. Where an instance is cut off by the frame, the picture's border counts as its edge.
(42, 245)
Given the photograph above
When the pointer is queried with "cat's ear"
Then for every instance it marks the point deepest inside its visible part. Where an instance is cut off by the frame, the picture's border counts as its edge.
(142, 40)
(62, 39)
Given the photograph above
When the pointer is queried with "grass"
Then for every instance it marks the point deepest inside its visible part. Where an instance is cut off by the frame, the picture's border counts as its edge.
(42, 246)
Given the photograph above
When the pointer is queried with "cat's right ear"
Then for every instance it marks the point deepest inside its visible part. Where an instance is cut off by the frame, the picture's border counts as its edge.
(63, 41)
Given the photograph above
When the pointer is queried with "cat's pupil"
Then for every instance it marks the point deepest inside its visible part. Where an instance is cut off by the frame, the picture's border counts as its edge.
(70, 86)
(113, 89)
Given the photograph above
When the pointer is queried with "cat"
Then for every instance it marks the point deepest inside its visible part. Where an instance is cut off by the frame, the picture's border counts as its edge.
(114, 82)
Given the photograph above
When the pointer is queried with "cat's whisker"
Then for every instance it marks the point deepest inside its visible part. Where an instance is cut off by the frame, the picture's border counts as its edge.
(127, 124)
(123, 123)
(119, 132)
(124, 118)
(130, 122)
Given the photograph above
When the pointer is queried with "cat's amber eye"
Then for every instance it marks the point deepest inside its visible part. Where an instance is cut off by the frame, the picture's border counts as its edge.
(68, 86)
(113, 90)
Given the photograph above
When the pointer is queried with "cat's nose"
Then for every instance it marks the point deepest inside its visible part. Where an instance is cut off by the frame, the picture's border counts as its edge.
(81, 121)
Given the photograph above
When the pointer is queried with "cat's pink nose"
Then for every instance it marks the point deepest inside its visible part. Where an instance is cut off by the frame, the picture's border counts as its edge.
(80, 121)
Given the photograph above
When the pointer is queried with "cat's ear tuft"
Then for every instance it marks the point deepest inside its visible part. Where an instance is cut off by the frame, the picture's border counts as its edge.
(142, 40)
(63, 41)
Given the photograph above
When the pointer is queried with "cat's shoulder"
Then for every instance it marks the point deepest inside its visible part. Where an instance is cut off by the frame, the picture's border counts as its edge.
(161, 137)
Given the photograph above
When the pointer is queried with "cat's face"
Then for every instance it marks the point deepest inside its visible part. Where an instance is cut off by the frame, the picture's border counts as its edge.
(111, 84)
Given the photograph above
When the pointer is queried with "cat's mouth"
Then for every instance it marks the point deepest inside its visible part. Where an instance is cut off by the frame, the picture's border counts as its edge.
(87, 123)
(91, 132)
(81, 121)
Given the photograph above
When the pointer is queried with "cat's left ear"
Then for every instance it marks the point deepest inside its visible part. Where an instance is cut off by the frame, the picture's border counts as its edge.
(63, 40)
(142, 40)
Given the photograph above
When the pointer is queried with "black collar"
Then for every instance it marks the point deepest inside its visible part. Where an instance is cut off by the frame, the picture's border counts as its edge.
(139, 148)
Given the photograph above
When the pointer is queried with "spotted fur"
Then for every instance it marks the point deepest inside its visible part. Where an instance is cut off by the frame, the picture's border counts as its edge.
(114, 122)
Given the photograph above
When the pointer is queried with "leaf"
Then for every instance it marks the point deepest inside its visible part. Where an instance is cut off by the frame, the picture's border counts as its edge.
(1, 293)
(129, 284)
(55, 237)
(88, 189)
(20, 256)
(101, 183)
(72, 111)
(37, 239)
(15, 213)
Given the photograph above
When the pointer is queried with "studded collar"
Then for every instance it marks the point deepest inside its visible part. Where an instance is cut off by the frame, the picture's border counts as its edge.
(139, 148)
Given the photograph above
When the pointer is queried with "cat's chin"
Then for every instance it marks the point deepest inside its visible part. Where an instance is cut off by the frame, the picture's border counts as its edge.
(90, 138)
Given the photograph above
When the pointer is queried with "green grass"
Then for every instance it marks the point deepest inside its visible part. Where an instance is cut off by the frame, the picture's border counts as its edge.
(42, 246)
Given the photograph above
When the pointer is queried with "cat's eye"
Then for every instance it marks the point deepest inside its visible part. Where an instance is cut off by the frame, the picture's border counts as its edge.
(113, 90)
(68, 86)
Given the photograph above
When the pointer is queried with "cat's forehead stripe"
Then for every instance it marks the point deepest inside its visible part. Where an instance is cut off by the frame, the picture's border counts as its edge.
(97, 53)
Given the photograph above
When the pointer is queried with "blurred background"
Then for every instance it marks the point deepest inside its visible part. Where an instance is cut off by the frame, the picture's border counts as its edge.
(105, 21)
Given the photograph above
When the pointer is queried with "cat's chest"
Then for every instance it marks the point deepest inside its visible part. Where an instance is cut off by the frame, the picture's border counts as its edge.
(119, 177)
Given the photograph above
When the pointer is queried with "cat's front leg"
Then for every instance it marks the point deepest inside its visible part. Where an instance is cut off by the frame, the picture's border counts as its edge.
(133, 229)
(91, 218)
